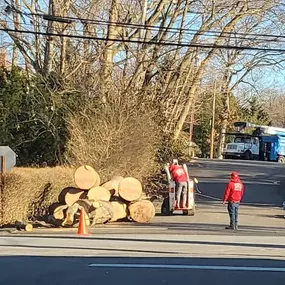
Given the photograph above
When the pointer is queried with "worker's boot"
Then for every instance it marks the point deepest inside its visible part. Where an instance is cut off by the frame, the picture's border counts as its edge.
(230, 228)
(236, 227)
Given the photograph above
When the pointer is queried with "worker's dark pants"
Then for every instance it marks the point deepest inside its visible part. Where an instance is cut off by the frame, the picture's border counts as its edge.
(233, 212)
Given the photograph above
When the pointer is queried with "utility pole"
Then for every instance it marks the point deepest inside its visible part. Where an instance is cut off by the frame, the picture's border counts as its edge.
(2, 186)
(213, 122)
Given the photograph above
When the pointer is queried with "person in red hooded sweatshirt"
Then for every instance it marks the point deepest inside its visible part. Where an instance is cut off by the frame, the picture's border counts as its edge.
(180, 177)
(233, 195)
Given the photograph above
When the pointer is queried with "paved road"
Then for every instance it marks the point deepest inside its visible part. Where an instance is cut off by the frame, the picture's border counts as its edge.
(260, 212)
(261, 179)
(178, 249)
(140, 259)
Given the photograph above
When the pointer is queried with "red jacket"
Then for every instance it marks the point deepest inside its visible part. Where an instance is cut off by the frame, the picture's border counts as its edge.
(178, 173)
(234, 191)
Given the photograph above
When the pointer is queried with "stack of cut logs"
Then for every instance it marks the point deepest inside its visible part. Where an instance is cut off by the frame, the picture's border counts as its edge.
(118, 199)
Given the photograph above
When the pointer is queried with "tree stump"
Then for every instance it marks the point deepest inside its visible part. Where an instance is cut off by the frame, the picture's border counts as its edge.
(130, 189)
(141, 211)
(86, 177)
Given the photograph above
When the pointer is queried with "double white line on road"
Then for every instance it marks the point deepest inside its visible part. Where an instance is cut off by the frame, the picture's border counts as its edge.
(186, 266)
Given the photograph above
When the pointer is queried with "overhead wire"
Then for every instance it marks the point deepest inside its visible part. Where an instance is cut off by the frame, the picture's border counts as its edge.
(250, 40)
(162, 43)
(232, 36)
(144, 26)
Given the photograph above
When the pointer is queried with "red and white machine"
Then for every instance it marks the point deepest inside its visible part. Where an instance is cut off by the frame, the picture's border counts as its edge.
(169, 204)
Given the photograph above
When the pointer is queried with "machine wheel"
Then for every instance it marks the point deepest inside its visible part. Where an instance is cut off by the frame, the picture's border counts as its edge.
(281, 159)
(188, 212)
(248, 155)
(165, 207)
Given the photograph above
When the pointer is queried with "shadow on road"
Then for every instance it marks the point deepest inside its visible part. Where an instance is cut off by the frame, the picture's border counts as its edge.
(139, 240)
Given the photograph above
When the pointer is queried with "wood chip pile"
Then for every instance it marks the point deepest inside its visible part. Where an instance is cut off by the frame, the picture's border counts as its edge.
(118, 199)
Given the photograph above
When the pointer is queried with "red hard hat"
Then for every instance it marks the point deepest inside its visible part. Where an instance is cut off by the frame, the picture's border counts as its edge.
(234, 175)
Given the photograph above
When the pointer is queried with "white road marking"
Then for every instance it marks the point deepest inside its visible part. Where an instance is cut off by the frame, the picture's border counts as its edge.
(185, 266)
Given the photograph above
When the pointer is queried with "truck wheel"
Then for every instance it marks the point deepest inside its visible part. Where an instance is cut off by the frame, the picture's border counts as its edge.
(165, 207)
(248, 155)
(281, 159)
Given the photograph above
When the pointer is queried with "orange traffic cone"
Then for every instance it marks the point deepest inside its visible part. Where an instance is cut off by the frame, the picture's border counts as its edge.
(82, 228)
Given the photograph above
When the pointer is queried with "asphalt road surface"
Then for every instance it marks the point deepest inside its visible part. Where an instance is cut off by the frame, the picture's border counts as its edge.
(142, 259)
(178, 249)
(260, 178)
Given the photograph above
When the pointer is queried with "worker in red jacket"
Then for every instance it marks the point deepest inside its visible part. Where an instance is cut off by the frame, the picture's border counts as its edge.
(233, 195)
(180, 177)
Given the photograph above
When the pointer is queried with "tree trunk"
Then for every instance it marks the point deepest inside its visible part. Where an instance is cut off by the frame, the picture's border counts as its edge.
(70, 195)
(109, 50)
(64, 39)
(99, 193)
(16, 18)
(228, 27)
(113, 185)
(49, 41)
(70, 215)
(130, 189)
(86, 177)
(120, 210)
(103, 212)
(85, 204)
(57, 210)
(225, 92)
(141, 211)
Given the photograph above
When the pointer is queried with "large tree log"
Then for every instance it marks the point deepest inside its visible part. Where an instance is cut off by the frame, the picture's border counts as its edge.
(99, 193)
(73, 214)
(57, 210)
(86, 177)
(130, 189)
(113, 185)
(70, 215)
(120, 210)
(70, 195)
(142, 211)
(86, 205)
(103, 212)
(52, 208)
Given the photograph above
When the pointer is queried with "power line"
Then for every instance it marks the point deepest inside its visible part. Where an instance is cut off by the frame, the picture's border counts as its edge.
(206, 46)
(188, 33)
(68, 19)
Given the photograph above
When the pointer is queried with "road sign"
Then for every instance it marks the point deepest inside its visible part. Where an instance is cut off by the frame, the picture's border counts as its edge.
(10, 157)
